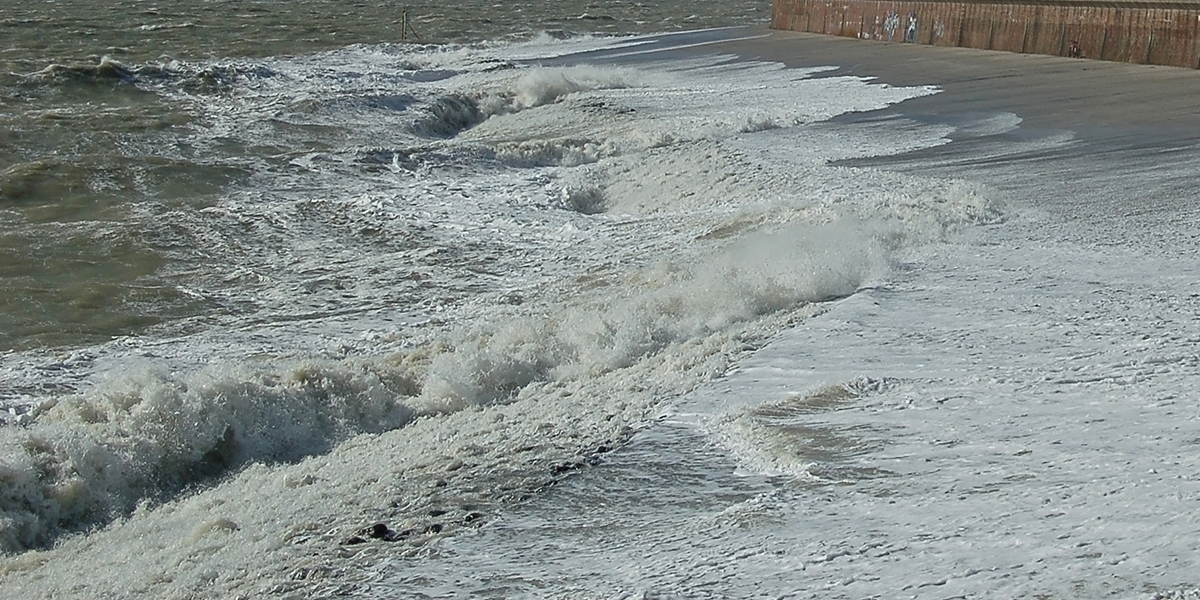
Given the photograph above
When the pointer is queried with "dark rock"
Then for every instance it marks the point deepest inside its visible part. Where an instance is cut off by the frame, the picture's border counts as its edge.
(379, 531)
(566, 468)
(437, 512)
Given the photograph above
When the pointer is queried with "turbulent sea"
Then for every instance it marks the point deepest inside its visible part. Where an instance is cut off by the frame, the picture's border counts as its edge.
(315, 298)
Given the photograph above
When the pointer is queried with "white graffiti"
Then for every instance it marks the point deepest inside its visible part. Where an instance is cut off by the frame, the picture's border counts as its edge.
(891, 23)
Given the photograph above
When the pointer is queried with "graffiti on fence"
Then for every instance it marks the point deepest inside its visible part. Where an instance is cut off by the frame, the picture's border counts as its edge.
(890, 24)
(910, 35)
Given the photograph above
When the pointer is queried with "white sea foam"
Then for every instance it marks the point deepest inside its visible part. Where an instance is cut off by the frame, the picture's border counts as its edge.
(138, 436)
(441, 291)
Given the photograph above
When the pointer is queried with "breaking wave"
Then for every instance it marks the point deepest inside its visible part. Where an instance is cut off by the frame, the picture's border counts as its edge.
(86, 459)
(444, 285)
(89, 458)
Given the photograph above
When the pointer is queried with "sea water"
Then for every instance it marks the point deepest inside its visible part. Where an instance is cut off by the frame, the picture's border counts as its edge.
(519, 308)
(92, 136)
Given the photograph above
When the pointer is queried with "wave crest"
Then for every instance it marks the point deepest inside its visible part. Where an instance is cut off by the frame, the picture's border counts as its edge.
(88, 458)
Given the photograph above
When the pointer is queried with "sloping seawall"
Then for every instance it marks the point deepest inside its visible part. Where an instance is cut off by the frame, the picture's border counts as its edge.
(1160, 33)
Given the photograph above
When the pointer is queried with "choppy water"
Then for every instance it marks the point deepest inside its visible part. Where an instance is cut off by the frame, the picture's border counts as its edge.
(271, 276)
(94, 150)
(240, 233)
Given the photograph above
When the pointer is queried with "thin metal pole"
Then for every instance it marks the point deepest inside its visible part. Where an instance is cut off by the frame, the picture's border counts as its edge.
(405, 28)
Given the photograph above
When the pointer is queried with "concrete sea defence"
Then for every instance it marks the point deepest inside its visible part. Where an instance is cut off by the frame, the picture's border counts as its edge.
(1134, 31)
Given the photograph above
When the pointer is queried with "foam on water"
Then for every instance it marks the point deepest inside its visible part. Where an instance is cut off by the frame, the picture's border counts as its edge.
(452, 278)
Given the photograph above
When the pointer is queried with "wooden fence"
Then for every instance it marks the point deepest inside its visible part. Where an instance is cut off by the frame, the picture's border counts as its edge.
(1161, 33)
